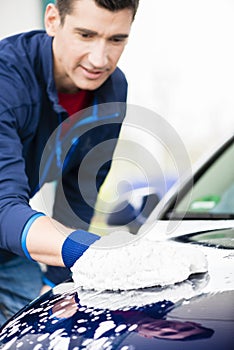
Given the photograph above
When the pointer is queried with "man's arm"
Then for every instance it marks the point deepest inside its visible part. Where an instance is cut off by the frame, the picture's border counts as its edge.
(45, 239)
(51, 243)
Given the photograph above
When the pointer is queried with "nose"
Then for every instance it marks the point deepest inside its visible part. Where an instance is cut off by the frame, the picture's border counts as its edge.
(98, 56)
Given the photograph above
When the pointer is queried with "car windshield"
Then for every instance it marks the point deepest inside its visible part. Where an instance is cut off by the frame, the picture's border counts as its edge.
(223, 238)
(212, 194)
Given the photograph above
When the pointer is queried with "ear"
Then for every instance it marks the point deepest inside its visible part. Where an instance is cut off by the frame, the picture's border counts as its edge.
(52, 19)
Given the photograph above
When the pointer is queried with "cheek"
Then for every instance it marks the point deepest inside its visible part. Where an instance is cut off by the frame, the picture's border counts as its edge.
(71, 50)
(115, 54)
(77, 53)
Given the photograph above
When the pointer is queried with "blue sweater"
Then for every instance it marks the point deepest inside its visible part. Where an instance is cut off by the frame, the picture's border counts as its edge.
(33, 151)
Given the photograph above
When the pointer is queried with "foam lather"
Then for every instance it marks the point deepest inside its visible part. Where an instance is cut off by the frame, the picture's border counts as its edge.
(135, 264)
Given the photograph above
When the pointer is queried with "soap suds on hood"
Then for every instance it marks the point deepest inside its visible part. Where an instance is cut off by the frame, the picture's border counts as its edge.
(139, 264)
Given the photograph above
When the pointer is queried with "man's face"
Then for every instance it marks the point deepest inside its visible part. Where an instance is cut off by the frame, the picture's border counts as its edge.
(88, 45)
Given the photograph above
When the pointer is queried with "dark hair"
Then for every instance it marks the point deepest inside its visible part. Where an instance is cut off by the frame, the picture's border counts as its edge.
(65, 7)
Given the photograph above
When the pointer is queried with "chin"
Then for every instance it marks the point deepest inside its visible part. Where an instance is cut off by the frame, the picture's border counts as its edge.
(85, 84)
(91, 86)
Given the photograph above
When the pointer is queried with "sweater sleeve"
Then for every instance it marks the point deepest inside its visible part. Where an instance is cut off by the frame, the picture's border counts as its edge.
(14, 189)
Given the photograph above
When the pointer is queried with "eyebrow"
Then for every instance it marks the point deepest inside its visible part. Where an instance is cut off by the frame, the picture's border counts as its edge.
(92, 32)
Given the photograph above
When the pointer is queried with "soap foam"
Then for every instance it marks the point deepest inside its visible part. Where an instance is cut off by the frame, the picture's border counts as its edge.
(139, 264)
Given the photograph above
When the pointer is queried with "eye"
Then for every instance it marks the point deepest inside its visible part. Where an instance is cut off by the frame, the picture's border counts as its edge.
(86, 35)
(118, 39)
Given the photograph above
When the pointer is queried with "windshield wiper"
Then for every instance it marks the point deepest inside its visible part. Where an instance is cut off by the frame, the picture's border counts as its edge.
(173, 215)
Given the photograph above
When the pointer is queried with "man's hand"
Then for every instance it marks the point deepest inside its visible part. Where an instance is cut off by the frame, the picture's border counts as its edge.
(135, 263)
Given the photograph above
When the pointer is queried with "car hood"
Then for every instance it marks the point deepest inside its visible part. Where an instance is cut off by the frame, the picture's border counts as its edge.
(218, 278)
(204, 300)
(167, 229)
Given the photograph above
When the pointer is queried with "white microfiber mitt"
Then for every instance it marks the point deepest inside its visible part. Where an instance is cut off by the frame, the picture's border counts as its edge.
(135, 263)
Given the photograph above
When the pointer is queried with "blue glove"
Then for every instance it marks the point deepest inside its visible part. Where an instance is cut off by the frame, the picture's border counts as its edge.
(75, 245)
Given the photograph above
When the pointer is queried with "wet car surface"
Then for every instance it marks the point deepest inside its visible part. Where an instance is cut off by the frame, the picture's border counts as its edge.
(60, 321)
(195, 314)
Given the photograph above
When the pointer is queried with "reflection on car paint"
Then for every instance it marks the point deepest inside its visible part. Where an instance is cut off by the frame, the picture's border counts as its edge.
(65, 321)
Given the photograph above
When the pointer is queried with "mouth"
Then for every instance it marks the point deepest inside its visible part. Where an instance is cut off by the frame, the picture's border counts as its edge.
(93, 74)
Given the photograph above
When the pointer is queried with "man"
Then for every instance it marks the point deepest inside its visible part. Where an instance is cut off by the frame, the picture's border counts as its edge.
(45, 77)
